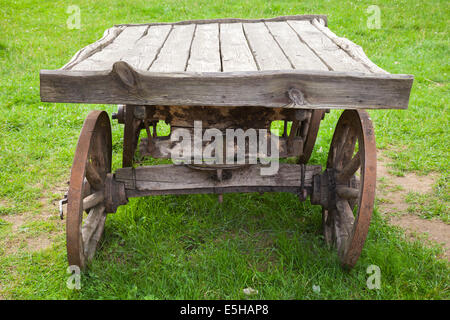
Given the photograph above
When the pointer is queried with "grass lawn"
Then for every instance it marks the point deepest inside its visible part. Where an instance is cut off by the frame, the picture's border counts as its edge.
(175, 247)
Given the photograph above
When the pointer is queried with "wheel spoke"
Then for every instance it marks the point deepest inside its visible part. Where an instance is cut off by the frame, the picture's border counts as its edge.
(94, 221)
(86, 188)
(343, 225)
(93, 199)
(342, 140)
(350, 168)
(327, 223)
(346, 216)
(89, 225)
(92, 246)
(347, 193)
(349, 147)
(332, 157)
(93, 176)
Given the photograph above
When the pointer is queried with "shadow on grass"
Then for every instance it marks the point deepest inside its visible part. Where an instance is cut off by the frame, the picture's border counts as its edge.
(191, 247)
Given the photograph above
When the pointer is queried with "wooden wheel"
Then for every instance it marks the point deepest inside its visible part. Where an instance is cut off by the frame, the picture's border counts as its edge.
(351, 174)
(91, 164)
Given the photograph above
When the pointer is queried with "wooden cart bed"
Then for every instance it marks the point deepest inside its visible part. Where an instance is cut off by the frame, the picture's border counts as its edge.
(226, 62)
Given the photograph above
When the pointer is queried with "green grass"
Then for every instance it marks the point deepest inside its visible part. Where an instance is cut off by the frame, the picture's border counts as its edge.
(429, 206)
(190, 246)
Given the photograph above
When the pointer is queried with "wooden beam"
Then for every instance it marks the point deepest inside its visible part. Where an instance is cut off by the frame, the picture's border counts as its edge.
(321, 89)
(180, 179)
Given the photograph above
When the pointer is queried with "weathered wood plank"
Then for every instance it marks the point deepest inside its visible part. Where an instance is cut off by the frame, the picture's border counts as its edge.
(147, 48)
(265, 49)
(321, 89)
(111, 33)
(121, 46)
(236, 55)
(166, 179)
(205, 49)
(327, 50)
(350, 47)
(308, 17)
(175, 52)
(108, 36)
(300, 56)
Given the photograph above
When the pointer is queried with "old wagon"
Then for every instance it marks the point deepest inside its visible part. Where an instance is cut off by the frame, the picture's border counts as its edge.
(225, 74)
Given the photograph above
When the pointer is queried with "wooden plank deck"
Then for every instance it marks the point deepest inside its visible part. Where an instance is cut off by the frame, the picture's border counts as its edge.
(172, 64)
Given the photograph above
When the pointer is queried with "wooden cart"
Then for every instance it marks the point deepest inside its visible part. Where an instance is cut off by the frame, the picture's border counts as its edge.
(226, 73)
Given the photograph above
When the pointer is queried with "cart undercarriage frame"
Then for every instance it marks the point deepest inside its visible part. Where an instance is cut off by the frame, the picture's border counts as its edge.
(226, 74)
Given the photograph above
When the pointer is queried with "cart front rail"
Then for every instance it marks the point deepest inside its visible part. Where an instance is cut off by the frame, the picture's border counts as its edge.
(321, 89)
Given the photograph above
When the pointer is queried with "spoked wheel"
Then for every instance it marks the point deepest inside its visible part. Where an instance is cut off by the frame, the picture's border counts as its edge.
(351, 175)
(86, 213)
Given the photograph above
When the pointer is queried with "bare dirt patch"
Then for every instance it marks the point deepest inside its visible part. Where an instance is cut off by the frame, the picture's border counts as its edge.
(39, 243)
(34, 241)
(391, 194)
(16, 220)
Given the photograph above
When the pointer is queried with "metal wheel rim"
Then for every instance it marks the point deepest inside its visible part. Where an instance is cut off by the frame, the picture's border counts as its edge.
(94, 143)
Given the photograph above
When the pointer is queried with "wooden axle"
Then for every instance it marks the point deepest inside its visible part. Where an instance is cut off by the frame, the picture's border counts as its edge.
(303, 180)
(181, 179)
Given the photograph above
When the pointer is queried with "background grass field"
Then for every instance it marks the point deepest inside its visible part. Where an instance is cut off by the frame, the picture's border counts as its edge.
(190, 246)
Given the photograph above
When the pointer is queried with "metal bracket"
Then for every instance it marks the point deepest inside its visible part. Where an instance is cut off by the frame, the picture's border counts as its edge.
(61, 203)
